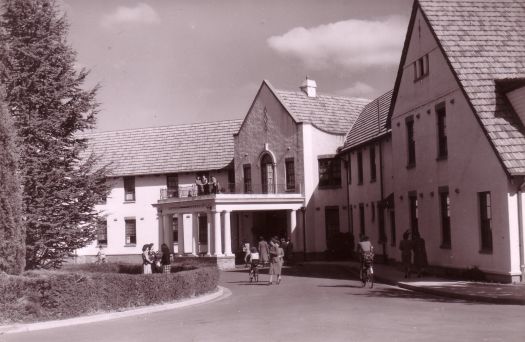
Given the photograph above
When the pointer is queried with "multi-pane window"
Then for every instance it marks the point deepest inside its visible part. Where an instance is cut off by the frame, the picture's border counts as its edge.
(175, 228)
(373, 173)
(393, 227)
(444, 208)
(290, 174)
(441, 115)
(414, 215)
(359, 167)
(411, 143)
(373, 210)
(131, 231)
(247, 174)
(172, 181)
(349, 170)
(102, 232)
(329, 172)
(361, 219)
(332, 226)
(485, 213)
(129, 188)
(421, 67)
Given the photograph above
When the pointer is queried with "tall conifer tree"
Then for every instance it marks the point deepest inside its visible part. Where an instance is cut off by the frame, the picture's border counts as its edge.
(50, 107)
(12, 233)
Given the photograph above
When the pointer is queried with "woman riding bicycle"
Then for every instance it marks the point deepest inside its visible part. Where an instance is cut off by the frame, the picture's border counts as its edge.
(366, 254)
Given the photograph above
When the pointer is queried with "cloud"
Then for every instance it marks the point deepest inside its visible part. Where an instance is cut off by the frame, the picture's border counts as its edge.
(352, 44)
(358, 89)
(140, 14)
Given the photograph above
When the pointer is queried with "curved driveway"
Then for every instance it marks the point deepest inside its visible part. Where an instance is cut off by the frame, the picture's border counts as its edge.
(311, 304)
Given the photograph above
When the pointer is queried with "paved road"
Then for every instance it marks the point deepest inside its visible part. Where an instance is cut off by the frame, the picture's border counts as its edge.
(311, 304)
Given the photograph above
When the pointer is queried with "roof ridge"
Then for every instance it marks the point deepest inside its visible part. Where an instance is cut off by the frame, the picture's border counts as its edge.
(324, 95)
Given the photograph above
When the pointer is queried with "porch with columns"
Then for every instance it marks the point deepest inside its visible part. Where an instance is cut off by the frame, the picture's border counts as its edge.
(218, 210)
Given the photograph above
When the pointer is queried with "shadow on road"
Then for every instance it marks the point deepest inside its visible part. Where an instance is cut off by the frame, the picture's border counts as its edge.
(309, 271)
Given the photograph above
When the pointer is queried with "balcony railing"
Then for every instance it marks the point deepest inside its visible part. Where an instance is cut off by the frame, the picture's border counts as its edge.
(183, 191)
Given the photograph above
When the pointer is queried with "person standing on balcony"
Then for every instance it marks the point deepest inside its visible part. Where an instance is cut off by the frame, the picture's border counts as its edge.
(200, 186)
(205, 185)
(214, 185)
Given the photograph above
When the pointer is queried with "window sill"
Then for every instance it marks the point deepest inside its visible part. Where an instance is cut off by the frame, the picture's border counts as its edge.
(130, 245)
(373, 180)
(411, 166)
(329, 187)
(128, 202)
(421, 77)
(289, 190)
(485, 251)
(359, 183)
(103, 245)
(441, 158)
(445, 246)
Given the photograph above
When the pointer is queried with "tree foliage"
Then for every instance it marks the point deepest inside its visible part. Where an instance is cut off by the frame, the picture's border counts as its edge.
(46, 97)
(12, 233)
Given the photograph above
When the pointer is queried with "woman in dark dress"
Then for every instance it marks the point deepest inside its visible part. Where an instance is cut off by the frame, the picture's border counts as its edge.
(165, 259)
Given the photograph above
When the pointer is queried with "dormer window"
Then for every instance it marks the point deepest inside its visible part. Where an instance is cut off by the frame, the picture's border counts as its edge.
(421, 68)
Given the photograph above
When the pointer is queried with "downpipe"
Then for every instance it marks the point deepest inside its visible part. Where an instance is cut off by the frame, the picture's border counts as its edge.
(520, 231)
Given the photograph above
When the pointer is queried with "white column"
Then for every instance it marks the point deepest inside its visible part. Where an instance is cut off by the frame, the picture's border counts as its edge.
(217, 233)
(195, 234)
(227, 234)
(167, 220)
(292, 225)
(180, 222)
(208, 231)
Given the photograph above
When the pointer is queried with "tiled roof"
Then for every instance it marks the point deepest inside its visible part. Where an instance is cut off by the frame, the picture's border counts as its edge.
(484, 41)
(371, 123)
(157, 150)
(333, 114)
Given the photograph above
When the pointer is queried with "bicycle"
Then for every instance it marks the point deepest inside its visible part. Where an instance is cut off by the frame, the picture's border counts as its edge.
(254, 271)
(367, 275)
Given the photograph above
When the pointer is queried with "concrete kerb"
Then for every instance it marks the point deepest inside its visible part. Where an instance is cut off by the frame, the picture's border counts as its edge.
(220, 293)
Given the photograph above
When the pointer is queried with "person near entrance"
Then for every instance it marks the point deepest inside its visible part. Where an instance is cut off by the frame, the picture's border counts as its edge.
(264, 251)
(276, 260)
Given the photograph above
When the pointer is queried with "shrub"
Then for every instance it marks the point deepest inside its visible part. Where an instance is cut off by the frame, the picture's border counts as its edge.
(87, 289)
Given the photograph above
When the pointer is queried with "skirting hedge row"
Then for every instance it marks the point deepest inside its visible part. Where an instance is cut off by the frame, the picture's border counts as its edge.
(80, 290)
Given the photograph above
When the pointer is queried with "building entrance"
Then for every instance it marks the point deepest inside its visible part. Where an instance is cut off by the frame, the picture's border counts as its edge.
(269, 224)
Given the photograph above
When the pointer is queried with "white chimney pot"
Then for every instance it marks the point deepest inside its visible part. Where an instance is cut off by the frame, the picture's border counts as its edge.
(309, 87)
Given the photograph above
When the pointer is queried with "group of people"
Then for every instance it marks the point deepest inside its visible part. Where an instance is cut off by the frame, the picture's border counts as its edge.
(205, 187)
(415, 248)
(274, 253)
(156, 262)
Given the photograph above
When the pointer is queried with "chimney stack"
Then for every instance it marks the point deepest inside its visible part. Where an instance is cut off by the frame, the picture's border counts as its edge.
(308, 87)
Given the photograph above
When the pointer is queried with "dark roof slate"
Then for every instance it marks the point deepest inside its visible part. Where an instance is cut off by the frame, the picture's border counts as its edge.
(484, 41)
(167, 149)
(371, 123)
(332, 114)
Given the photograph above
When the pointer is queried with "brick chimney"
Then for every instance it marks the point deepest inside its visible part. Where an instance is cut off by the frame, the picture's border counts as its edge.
(308, 87)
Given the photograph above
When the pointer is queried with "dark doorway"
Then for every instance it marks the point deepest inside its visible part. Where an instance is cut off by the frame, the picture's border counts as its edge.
(269, 224)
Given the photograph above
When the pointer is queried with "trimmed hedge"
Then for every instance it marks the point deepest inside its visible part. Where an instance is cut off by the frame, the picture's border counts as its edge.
(87, 289)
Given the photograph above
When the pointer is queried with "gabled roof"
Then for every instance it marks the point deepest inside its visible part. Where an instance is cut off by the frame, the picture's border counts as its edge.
(483, 42)
(371, 123)
(167, 149)
(332, 114)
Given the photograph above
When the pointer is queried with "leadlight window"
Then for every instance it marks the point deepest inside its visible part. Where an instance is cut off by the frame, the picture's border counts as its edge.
(485, 213)
(329, 172)
(421, 68)
(129, 189)
(441, 115)
(290, 174)
(414, 215)
(373, 173)
(359, 167)
(411, 143)
(175, 228)
(247, 174)
(102, 232)
(444, 200)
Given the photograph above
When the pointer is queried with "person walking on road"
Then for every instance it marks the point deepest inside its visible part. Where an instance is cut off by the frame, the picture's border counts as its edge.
(276, 257)
(264, 251)
(406, 247)
(420, 253)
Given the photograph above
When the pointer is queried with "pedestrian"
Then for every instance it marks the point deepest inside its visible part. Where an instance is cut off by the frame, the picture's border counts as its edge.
(420, 253)
(246, 250)
(264, 251)
(101, 255)
(288, 252)
(165, 259)
(406, 248)
(214, 184)
(146, 260)
(276, 263)
(206, 185)
(200, 186)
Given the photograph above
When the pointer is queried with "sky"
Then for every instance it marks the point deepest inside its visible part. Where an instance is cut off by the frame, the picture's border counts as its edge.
(169, 62)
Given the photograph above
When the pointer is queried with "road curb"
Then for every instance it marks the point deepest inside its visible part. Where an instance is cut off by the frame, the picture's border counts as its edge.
(221, 293)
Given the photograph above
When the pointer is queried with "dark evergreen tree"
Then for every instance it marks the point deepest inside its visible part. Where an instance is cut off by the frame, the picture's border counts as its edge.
(12, 233)
(51, 109)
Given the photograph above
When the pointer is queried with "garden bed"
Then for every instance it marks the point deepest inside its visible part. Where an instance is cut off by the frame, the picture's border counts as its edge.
(88, 288)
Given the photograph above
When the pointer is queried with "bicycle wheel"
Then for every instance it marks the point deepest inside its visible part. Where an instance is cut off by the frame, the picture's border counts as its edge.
(370, 277)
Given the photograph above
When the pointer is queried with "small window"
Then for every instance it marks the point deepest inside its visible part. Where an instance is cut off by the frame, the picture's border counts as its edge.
(102, 232)
(444, 207)
(373, 173)
(172, 181)
(359, 167)
(373, 210)
(421, 68)
(414, 215)
(411, 143)
(175, 228)
(441, 115)
(485, 213)
(349, 170)
(247, 174)
(290, 174)
(361, 219)
(129, 189)
(131, 232)
(329, 173)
